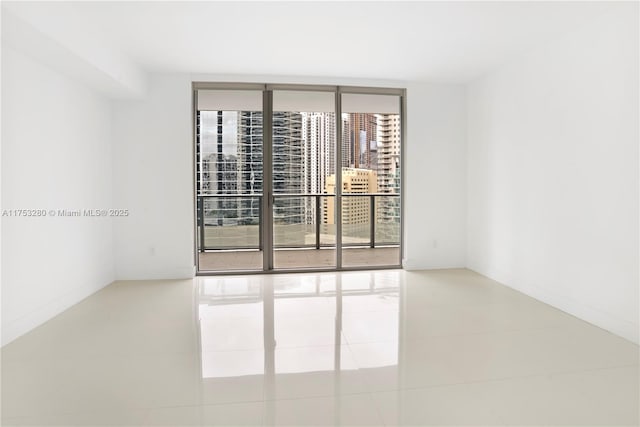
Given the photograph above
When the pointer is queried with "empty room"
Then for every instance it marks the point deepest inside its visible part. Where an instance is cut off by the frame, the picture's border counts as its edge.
(320, 213)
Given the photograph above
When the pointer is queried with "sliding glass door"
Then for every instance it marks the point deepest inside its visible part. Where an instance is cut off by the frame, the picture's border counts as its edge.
(304, 150)
(295, 178)
(371, 136)
(229, 180)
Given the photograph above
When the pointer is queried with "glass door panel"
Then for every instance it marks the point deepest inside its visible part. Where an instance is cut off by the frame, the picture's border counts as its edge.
(304, 141)
(370, 174)
(229, 184)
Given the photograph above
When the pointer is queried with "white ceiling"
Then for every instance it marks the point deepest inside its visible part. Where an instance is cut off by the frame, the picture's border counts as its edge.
(435, 41)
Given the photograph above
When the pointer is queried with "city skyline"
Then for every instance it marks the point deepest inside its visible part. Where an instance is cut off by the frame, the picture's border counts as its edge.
(304, 160)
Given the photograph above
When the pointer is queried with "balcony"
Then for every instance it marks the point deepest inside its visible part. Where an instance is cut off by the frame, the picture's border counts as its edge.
(230, 231)
(301, 258)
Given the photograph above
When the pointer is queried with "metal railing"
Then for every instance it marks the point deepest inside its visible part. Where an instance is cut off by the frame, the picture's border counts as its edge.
(317, 208)
(245, 229)
(372, 215)
(221, 218)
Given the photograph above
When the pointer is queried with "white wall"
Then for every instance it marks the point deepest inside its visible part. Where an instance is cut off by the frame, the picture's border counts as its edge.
(435, 180)
(48, 32)
(153, 175)
(153, 178)
(56, 154)
(553, 173)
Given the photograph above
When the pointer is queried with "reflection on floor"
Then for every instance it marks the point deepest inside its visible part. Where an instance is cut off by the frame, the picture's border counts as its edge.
(354, 348)
(300, 258)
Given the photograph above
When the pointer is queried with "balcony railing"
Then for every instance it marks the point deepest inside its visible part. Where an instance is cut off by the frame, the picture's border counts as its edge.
(233, 222)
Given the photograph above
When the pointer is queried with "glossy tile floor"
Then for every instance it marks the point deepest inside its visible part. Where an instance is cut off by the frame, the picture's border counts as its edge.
(354, 348)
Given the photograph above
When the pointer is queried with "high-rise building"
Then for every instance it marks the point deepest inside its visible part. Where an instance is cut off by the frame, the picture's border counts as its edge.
(388, 159)
(288, 165)
(359, 140)
(319, 142)
(355, 209)
(319, 139)
(249, 135)
(217, 170)
(250, 175)
(347, 148)
(230, 162)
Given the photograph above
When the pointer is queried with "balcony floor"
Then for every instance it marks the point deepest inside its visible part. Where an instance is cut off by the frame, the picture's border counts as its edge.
(300, 258)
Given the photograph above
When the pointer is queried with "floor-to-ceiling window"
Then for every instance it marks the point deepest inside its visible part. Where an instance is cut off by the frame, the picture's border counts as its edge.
(229, 179)
(295, 177)
(304, 156)
(370, 172)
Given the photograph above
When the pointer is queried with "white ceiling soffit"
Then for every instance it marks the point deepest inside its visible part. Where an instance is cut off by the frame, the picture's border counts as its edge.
(439, 41)
(70, 46)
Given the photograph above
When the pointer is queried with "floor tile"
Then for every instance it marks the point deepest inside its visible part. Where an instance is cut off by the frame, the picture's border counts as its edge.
(238, 414)
(462, 404)
(522, 353)
(434, 362)
(599, 397)
(31, 389)
(232, 364)
(232, 333)
(384, 300)
(286, 308)
(370, 326)
(304, 331)
(455, 287)
(480, 318)
(92, 418)
(349, 410)
(248, 388)
(312, 372)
